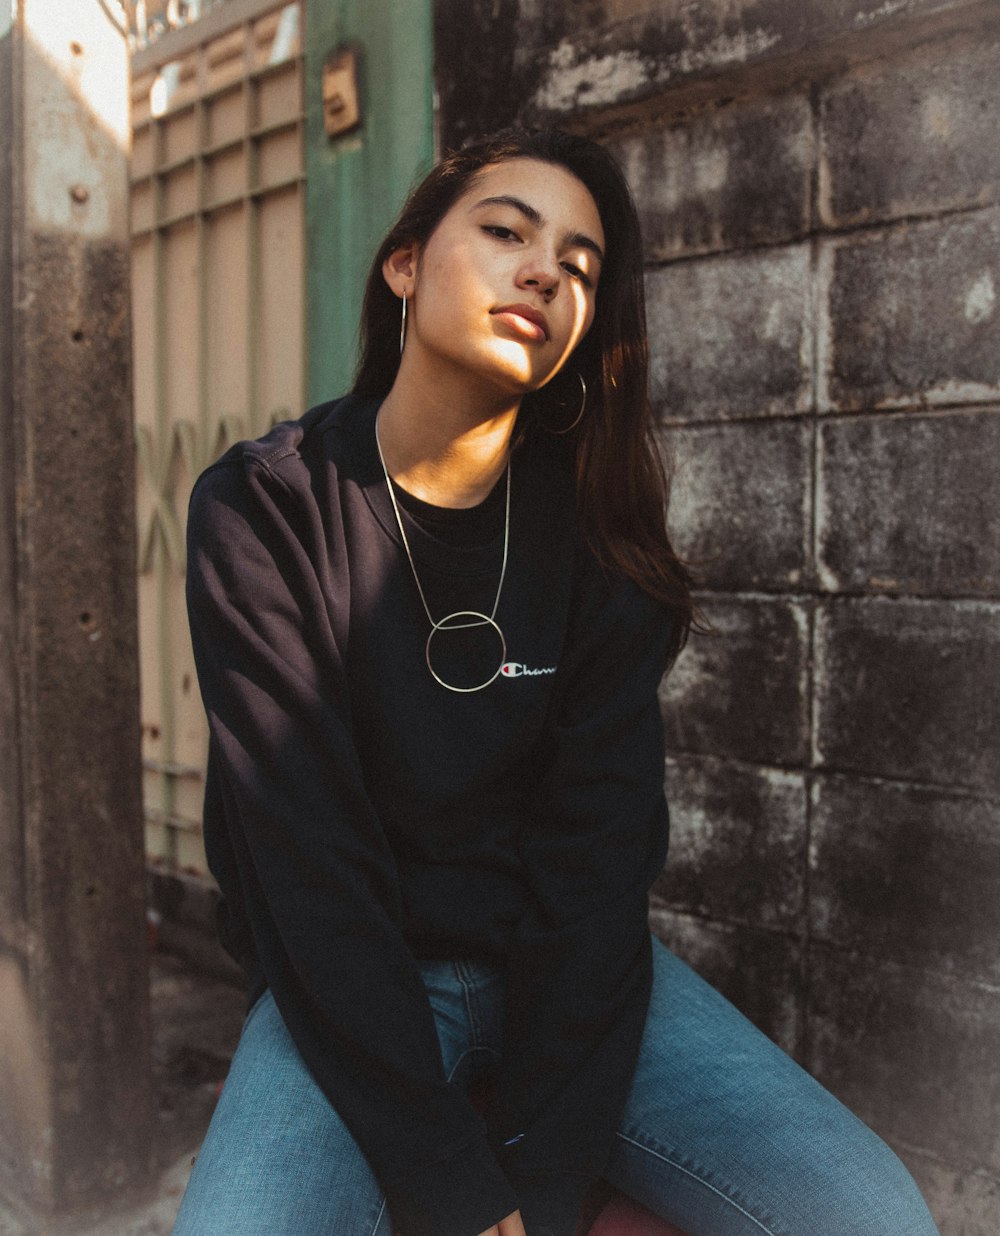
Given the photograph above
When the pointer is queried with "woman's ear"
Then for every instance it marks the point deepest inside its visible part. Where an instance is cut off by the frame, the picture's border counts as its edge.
(400, 268)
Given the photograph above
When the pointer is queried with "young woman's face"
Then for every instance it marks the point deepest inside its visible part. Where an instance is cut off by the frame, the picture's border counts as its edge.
(505, 287)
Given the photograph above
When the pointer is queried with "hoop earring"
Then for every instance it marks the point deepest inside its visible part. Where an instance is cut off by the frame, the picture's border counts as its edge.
(579, 416)
(402, 327)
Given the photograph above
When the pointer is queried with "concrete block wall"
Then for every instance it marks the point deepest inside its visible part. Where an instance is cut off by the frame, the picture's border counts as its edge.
(822, 284)
(820, 193)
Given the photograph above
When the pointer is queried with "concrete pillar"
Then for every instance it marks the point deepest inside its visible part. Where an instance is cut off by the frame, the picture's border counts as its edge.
(75, 1089)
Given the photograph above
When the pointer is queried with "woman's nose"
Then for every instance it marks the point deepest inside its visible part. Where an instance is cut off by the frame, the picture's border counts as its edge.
(540, 276)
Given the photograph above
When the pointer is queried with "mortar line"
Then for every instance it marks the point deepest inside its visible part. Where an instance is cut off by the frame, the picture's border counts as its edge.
(818, 326)
(681, 755)
(867, 227)
(839, 415)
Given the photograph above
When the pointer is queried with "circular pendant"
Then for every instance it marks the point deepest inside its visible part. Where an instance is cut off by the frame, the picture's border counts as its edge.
(454, 622)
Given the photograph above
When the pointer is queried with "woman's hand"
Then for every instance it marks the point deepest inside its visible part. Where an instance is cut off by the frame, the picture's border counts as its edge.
(511, 1226)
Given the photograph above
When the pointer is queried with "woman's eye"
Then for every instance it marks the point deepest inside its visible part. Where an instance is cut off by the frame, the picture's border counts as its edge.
(502, 233)
(577, 273)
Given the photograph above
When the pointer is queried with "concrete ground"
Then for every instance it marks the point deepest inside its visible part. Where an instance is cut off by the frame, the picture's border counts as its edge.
(196, 1022)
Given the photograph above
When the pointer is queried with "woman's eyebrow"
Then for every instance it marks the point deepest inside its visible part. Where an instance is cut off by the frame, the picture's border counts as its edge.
(580, 239)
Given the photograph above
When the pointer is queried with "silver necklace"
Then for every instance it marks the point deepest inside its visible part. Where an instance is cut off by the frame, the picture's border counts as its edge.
(461, 619)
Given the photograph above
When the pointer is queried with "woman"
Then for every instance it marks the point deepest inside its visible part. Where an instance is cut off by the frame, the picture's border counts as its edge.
(430, 621)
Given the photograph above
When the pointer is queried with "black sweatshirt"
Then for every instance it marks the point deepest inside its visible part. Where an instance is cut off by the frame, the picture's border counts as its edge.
(359, 816)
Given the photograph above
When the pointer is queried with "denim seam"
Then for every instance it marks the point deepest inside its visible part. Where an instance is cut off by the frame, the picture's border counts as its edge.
(470, 1051)
(465, 977)
(660, 1154)
(378, 1217)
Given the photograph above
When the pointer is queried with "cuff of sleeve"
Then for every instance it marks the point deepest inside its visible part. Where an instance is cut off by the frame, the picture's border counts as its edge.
(550, 1204)
(462, 1195)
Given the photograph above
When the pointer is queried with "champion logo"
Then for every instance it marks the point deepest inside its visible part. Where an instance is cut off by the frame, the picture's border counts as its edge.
(514, 669)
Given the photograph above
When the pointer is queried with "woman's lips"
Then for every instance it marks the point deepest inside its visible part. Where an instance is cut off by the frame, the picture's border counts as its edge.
(524, 321)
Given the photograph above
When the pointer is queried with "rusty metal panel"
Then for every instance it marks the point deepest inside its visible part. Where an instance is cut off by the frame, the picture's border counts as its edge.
(217, 265)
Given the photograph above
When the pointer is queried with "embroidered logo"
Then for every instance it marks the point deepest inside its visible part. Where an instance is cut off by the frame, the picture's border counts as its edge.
(514, 669)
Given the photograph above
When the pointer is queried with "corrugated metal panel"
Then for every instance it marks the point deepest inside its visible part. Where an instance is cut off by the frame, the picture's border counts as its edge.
(218, 286)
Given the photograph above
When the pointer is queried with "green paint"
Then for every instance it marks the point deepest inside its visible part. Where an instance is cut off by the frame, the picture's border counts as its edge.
(355, 184)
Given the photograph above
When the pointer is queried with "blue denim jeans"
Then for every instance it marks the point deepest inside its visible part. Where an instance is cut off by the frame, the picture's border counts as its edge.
(723, 1134)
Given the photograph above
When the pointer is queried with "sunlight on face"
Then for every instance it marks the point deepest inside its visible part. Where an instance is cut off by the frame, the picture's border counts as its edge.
(507, 283)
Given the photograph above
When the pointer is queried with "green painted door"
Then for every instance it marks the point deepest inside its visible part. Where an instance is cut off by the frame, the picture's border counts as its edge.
(356, 183)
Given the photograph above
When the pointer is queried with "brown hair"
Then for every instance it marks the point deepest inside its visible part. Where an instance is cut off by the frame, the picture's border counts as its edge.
(621, 484)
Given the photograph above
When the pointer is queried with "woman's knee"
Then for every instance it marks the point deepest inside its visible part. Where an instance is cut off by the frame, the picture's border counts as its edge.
(277, 1158)
(729, 1110)
(869, 1192)
(264, 1196)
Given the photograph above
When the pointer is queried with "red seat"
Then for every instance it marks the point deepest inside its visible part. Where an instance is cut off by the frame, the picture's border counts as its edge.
(623, 1217)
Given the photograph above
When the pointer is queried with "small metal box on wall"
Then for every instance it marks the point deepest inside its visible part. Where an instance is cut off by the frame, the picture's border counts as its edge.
(341, 92)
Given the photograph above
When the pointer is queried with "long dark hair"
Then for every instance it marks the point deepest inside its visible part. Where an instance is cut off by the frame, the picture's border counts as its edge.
(621, 484)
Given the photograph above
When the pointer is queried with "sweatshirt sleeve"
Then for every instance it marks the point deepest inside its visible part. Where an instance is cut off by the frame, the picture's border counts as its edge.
(581, 961)
(306, 854)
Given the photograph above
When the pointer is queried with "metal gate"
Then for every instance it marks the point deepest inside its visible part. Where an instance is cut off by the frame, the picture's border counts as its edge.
(218, 319)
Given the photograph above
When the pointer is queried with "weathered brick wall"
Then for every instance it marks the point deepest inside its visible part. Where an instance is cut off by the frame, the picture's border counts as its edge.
(819, 187)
